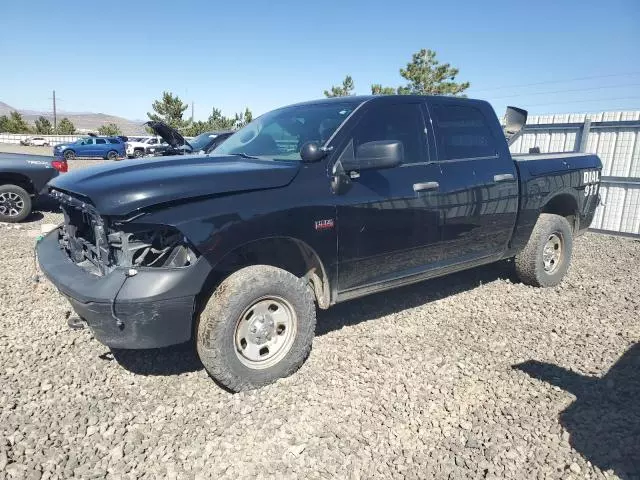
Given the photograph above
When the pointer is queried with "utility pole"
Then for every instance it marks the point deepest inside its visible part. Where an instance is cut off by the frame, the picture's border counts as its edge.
(55, 116)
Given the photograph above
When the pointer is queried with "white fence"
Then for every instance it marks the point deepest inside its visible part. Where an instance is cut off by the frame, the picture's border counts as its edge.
(615, 138)
(15, 138)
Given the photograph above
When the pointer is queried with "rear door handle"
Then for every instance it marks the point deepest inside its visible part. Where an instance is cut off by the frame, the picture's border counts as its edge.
(422, 187)
(503, 177)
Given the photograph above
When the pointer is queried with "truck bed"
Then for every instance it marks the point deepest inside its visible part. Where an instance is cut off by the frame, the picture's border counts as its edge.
(525, 157)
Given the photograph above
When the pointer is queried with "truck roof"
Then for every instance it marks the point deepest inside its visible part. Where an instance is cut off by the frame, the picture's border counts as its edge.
(389, 98)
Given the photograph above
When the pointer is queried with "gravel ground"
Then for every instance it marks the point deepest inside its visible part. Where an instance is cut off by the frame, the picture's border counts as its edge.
(471, 376)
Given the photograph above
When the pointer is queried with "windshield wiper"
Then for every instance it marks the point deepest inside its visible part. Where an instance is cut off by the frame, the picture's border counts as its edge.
(244, 155)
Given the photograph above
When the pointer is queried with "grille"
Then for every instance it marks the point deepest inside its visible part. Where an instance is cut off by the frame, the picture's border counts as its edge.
(83, 233)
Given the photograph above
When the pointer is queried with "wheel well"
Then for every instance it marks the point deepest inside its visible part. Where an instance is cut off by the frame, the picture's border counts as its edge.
(19, 180)
(286, 253)
(566, 206)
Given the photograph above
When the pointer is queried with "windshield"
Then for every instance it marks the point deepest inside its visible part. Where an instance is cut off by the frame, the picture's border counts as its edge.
(280, 134)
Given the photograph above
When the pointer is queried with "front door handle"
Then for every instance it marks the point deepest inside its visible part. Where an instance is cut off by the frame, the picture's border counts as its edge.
(503, 177)
(422, 187)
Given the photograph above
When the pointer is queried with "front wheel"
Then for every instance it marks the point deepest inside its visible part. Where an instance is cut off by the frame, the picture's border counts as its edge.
(257, 326)
(15, 203)
(545, 259)
(69, 155)
(138, 153)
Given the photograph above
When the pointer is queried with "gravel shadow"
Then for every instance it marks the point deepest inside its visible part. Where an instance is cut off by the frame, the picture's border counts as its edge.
(173, 360)
(604, 420)
(398, 299)
(33, 217)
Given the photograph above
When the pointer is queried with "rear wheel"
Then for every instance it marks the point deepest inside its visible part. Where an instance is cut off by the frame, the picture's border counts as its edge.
(257, 326)
(545, 259)
(15, 203)
(69, 155)
(112, 155)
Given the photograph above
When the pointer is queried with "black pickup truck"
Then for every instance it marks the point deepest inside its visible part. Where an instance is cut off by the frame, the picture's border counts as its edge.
(311, 204)
(22, 179)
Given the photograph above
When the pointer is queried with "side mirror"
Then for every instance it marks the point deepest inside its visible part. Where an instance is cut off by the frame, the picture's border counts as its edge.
(376, 155)
(514, 120)
(311, 152)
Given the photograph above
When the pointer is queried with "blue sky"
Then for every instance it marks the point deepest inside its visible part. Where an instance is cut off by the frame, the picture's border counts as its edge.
(262, 54)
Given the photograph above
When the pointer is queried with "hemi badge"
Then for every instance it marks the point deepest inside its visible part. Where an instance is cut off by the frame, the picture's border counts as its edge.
(324, 224)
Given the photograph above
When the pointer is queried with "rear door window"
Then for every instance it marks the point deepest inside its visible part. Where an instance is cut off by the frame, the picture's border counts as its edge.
(462, 132)
(100, 141)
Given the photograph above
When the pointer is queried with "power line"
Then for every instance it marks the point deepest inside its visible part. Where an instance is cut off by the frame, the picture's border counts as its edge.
(559, 81)
(583, 101)
(570, 90)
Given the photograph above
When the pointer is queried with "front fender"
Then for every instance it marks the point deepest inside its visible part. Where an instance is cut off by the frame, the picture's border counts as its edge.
(217, 226)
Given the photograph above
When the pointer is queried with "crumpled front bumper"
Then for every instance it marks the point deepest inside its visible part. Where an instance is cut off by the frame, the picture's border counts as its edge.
(153, 308)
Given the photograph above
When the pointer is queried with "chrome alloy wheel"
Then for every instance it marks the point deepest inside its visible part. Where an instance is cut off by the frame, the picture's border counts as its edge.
(11, 204)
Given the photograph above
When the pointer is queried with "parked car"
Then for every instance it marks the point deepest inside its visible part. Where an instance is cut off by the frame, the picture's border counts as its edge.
(235, 248)
(176, 144)
(35, 141)
(110, 148)
(22, 179)
(40, 142)
(140, 148)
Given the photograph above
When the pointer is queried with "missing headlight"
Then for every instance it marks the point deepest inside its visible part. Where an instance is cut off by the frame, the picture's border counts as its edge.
(150, 246)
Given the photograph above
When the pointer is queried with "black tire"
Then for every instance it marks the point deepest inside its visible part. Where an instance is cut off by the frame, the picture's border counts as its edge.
(138, 153)
(530, 262)
(69, 155)
(112, 155)
(12, 198)
(216, 338)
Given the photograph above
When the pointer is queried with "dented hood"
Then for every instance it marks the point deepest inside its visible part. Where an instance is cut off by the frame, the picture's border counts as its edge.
(119, 188)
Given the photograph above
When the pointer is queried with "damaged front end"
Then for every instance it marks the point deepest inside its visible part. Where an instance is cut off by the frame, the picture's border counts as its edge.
(134, 285)
(99, 244)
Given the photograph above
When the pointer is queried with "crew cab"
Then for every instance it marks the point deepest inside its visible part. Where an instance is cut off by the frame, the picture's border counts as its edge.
(22, 179)
(307, 206)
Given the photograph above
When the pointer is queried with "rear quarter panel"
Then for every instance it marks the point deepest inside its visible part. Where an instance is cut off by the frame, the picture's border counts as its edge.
(543, 179)
(36, 168)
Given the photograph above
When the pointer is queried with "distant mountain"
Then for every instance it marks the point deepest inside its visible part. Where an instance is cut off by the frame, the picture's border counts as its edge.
(5, 108)
(83, 121)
